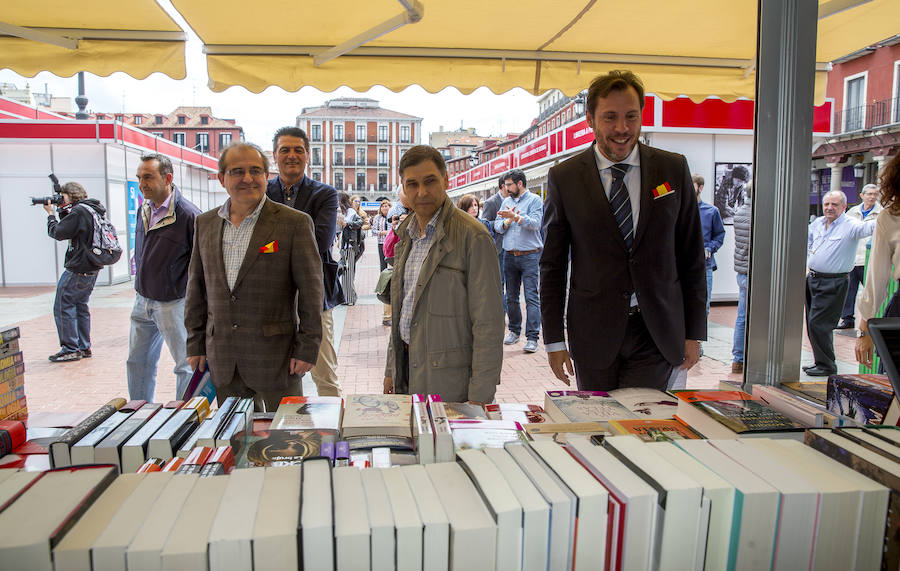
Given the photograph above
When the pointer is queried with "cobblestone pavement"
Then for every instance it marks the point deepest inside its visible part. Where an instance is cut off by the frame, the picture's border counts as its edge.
(362, 339)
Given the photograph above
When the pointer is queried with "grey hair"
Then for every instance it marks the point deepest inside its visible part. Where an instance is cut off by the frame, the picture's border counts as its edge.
(838, 193)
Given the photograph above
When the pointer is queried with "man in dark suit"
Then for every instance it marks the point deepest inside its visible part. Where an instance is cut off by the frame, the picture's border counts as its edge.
(488, 214)
(253, 310)
(292, 187)
(627, 215)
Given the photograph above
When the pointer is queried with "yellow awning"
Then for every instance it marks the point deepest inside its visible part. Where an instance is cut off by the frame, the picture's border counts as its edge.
(692, 47)
(99, 36)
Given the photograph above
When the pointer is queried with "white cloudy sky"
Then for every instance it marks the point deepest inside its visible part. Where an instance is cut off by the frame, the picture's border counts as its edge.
(261, 114)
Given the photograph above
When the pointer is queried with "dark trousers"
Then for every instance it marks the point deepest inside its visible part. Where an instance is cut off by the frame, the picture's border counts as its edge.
(70, 310)
(825, 296)
(381, 263)
(263, 401)
(638, 364)
(854, 280)
(523, 272)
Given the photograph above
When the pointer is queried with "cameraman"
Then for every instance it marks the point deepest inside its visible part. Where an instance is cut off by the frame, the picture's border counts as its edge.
(70, 310)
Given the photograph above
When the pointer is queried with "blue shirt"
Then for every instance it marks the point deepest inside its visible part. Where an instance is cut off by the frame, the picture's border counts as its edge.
(833, 250)
(524, 235)
(713, 231)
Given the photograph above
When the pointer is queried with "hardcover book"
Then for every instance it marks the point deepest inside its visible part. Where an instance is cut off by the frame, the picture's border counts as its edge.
(9, 334)
(83, 451)
(651, 430)
(9, 348)
(59, 449)
(864, 398)
(377, 415)
(584, 406)
(646, 403)
(134, 453)
(108, 451)
(737, 411)
(286, 447)
(12, 435)
(308, 413)
(481, 434)
(557, 431)
(517, 412)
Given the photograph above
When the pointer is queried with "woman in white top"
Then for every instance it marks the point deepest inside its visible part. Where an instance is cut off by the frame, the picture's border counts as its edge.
(884, 256)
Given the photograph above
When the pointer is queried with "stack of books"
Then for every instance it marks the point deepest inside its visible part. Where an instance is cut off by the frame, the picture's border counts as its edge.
(13, 405)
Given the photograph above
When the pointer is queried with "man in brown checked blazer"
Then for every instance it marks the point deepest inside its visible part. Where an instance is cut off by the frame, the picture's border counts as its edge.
(255, 287)
(626, 216)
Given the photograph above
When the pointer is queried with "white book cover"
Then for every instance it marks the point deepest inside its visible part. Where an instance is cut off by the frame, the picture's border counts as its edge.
(381, 520)
(308, 413)
(639, 498)
(277, 520)
(316, 515)
(187, 544)
(145, 551)
(134, 451)
(646, 403)
(473, 533)
(843, 540)
(758, 500)
(722, 522)
(679, 511)
(352, 533)
(562, 503)
(584, 406)
(82, 452)
(38, 517)
(407, 523)
(422, 430)
(73, 553)
(535, 510)
(799, 508)
(231, 535)
(108, 551)
(378, 415)
(436, 525)
(503, 504)
(591, 509)
(443, 440)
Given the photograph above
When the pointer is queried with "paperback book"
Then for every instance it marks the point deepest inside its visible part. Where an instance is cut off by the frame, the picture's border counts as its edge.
(584, 406)
(864, 398)
(286, 447)
(308, 413)
(652, 430)
(382, 415)
(738, 411)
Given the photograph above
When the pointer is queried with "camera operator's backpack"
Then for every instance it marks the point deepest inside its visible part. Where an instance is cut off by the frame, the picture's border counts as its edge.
(105, 249)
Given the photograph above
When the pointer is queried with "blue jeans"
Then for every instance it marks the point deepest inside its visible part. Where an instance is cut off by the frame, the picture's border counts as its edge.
(70, 310)
(737, 348)
(523, 271)
(153, 322)
(709, 272)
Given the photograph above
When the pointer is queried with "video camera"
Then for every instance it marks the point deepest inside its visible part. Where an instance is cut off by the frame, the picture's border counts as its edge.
(56, 198)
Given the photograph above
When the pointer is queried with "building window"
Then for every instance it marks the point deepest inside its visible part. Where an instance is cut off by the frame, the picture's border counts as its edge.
(316, 156)
(382, 182)
(120, 117)
(360, 132)
(382, 158)
(338, 132)
(317, 176)
(204, 119)
(361, 156)
(317, 133)
(361, 181)
(159, 119)
(339, 157)
(404, 133)
(854, 103)
(382, 133)
(203, 142)
(178, 138)
(138, 119)
(224, 140)
(182, 119)
(339, 180)
(895, 106)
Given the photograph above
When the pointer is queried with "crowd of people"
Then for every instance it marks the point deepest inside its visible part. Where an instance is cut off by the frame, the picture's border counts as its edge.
(615, 265)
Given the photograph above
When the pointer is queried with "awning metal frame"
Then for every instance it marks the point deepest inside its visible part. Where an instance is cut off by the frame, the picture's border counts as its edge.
(413, 12)
(69, 37)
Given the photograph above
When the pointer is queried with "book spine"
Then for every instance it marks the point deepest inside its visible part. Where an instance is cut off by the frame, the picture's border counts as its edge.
(12, 377)
(11, 360)
(9, 335)
(60, 448)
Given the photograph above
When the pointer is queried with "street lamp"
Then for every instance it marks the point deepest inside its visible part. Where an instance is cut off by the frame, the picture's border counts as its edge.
(859, 170)
(814, 180)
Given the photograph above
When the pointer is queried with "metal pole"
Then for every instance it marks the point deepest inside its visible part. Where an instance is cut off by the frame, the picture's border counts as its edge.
(786, 48)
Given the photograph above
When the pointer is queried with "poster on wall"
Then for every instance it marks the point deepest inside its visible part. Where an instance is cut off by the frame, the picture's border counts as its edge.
(134, 202)
(730, 193)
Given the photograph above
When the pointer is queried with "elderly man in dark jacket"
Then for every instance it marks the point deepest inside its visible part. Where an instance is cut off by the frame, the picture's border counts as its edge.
(742, 267)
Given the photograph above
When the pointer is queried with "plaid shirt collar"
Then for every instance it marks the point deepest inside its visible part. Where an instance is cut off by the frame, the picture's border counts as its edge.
(225, 210)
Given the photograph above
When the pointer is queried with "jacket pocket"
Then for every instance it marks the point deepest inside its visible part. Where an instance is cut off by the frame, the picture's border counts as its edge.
(450, 358)
(280, 328)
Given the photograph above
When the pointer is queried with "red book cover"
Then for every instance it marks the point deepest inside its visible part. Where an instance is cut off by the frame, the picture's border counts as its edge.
(152, 465)
(12, 435)
(173, 464)
(198, 456)
(223, 455)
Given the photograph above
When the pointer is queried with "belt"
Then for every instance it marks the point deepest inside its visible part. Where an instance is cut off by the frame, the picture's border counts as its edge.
(633, 310)
(824, 275)
(86, 274)
(522, 252)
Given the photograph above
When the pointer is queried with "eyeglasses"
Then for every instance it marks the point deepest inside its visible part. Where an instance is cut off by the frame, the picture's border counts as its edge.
(240, 172)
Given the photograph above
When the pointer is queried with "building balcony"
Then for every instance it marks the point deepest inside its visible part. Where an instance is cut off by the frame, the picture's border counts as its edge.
(337, 162)
(316, 162)
(404, 140)
(871, 116)
(316, 138)
(338, 139)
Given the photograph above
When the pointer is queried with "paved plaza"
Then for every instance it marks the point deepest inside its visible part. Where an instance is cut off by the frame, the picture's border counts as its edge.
(361, 338)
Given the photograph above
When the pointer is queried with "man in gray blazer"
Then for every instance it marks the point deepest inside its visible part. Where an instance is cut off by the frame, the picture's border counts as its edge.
(254, 296)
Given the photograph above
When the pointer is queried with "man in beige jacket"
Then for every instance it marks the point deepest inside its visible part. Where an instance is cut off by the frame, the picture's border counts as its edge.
(447, 333)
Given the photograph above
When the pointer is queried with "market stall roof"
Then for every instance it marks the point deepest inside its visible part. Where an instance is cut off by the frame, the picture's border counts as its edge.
(691, 47)
(98, 36)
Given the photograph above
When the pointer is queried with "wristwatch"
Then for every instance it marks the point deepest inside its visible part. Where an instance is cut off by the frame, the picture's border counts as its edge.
(860, 334)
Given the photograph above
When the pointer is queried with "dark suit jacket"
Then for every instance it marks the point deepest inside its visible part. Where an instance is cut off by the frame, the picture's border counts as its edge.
(666, 268)
(488, 214)
(320, 201)
(254, 327)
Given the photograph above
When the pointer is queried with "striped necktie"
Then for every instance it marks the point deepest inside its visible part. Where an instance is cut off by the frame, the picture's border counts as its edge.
(620, 203)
